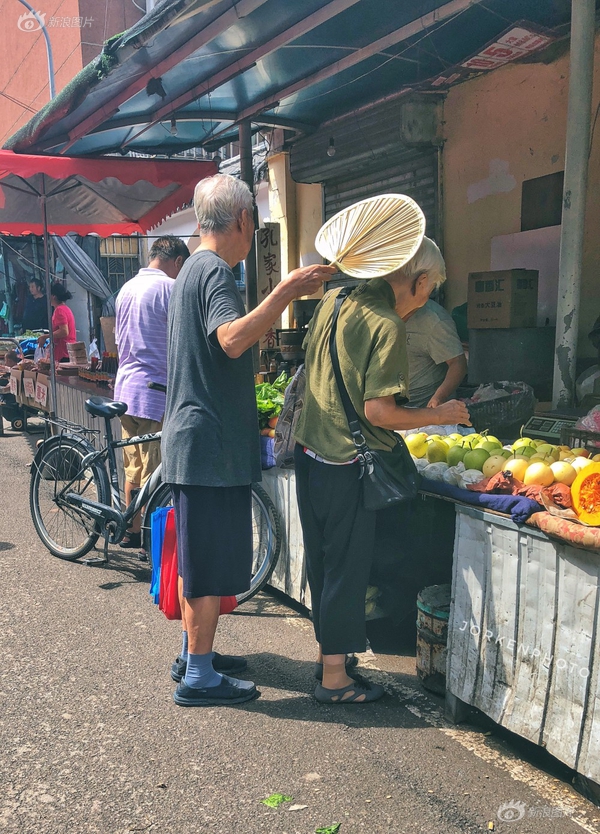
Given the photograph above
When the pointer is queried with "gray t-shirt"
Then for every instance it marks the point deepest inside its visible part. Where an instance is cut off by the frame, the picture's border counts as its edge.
(210, 435)
(431, 340)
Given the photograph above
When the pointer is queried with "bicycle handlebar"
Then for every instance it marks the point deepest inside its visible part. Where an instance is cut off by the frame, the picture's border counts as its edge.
(156, 386)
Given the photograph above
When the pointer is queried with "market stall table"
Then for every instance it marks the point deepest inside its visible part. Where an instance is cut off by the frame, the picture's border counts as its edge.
(524, 622)
(71, 394)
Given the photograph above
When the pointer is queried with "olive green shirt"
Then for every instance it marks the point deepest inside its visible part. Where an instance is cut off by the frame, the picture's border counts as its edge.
(371, 342)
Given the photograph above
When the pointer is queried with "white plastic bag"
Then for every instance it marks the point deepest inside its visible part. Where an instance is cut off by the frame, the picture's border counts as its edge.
(470, 476)
(453, 473)
(434, 471)
(93, 350)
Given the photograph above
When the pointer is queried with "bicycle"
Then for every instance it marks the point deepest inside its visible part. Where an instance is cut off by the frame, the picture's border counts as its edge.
(74, 499)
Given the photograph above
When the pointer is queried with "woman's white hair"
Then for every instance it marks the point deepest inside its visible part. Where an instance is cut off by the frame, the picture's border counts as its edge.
(219, 201)
(429, 260)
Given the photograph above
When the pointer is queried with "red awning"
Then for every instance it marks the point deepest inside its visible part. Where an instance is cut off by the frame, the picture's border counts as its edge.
(103, 196)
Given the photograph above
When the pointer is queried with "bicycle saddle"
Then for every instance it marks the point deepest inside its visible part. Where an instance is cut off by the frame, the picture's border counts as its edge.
(102, 407)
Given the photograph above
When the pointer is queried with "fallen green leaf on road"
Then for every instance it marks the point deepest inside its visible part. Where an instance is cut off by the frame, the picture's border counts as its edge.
(276, 799)
(331, 829)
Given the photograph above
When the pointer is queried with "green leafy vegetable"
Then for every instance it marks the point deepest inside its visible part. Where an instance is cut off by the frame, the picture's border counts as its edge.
(269, 398)
(331, 829)
(276, 799)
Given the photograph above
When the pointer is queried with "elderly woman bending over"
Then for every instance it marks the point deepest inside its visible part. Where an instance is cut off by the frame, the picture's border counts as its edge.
(339, 533)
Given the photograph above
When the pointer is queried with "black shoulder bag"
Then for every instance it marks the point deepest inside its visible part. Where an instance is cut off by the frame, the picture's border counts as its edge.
(387, 477)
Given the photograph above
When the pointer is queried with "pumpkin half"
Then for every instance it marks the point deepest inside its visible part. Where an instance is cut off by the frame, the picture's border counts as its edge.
(585, 492)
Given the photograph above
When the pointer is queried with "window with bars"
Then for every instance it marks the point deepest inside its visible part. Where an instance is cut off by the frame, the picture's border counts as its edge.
(120, 260)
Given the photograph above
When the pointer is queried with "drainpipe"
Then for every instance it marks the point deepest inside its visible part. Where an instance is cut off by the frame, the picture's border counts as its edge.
(247, 175)
(574, 197)
(42, 26)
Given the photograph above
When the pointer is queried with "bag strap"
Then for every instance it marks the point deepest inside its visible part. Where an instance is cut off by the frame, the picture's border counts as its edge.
(351, 414)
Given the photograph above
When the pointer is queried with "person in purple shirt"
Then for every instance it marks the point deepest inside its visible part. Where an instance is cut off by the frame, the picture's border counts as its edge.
(141, 336)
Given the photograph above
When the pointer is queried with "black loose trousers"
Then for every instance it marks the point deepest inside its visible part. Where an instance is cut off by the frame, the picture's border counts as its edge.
(339, 537)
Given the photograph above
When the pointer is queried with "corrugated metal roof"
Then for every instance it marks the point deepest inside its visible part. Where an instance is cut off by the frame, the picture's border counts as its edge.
(189, 71)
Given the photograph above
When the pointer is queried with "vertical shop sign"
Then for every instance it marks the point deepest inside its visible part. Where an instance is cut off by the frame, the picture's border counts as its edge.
(268, 256)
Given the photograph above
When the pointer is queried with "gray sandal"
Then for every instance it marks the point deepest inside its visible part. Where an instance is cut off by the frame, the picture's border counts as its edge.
(351, 693)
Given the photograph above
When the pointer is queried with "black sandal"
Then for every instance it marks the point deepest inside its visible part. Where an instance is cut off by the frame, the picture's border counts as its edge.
(351, 693)
(131, 539)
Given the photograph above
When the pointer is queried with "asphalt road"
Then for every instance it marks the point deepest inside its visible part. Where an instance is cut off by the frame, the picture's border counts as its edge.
(91, 741)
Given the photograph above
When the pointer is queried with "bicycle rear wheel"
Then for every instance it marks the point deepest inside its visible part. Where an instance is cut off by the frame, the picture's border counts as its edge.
(266, 541)
(266, 534)
(66, 531)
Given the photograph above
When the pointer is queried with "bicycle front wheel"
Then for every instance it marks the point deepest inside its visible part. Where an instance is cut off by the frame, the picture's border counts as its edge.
(66, 531)
(266, 534)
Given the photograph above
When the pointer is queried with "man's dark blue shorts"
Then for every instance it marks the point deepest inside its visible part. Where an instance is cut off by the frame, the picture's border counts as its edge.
(214, 539)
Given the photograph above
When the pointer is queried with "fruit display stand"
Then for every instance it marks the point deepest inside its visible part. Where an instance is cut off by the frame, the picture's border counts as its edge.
(524, 631)
(289, 575)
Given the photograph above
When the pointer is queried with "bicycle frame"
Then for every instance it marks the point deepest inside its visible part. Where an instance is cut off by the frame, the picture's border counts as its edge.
(113, 513)
(149, 487)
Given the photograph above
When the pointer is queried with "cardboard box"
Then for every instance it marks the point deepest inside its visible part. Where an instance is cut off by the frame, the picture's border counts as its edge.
(29, 381)
(503, 298)
(43, 399)
(107, 323)
(15, 384)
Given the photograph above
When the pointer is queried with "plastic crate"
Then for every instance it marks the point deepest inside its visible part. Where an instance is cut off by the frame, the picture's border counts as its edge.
(580, 438)
(504, 414)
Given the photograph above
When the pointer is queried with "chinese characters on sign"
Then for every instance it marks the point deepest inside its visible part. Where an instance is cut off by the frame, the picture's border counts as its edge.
(29, 387)
(517, 42)
(41, 393)
(268, 257)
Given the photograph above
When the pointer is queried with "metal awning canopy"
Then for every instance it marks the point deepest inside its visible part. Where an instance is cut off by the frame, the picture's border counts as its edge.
(191, 71)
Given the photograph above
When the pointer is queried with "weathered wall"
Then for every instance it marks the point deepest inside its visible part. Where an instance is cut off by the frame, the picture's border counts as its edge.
(500, 129)
(77, 30)
(309, 213)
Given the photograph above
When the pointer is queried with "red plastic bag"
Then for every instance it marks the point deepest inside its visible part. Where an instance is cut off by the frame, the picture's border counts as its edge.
(168, 600)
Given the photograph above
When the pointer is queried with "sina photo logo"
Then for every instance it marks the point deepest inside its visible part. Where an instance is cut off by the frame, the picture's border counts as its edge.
(31, 21)
(511, 811)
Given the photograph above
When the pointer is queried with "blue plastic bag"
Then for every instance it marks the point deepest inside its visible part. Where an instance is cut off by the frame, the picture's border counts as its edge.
(267, 454)
(158, 523)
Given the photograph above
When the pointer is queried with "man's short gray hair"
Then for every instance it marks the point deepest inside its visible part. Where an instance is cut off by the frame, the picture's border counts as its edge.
(429, 260)
(219, 201)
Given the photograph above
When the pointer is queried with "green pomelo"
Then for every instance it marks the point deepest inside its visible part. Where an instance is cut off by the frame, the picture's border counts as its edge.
(470, 441)
(475, 458)
(455, 455)
(489, 446)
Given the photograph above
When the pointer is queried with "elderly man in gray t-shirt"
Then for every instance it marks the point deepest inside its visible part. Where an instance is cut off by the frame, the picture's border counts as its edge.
(210, 442)
(436, 359)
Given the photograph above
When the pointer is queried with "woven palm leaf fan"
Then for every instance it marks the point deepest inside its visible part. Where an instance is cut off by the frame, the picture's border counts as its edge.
(372, 237)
